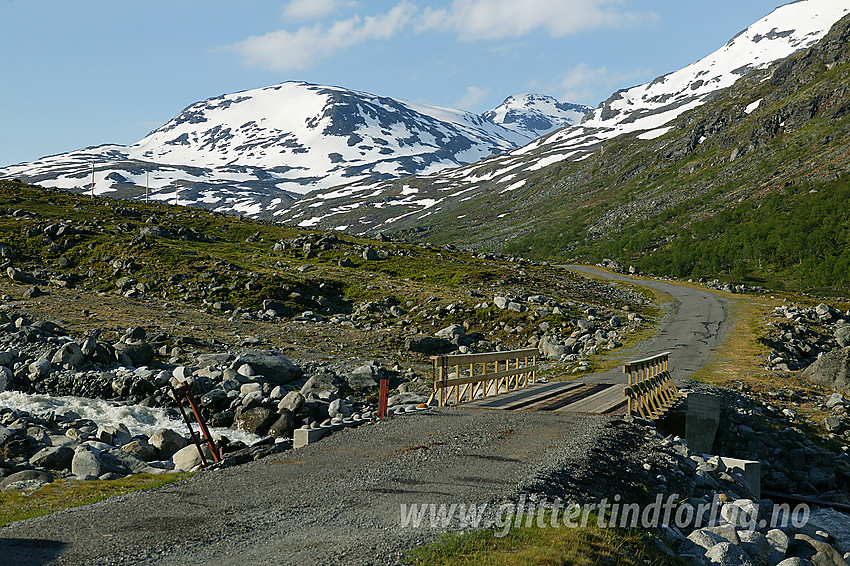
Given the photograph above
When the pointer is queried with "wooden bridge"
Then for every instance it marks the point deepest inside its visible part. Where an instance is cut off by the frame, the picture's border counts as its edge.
(507, 381)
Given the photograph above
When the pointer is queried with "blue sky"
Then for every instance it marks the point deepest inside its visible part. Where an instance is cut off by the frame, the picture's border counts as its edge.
(87, 72)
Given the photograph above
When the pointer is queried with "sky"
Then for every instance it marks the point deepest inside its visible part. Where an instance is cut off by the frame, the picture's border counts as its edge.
(88, 72)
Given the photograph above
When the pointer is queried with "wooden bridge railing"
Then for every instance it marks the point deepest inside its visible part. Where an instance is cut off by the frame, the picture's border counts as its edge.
(651, 391)
(481, 374)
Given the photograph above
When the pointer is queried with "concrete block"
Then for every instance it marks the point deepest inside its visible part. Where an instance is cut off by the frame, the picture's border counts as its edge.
(750, 469)
(702, 418)
(302, 437)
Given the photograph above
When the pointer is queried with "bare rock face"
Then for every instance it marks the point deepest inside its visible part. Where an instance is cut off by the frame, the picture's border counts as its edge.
(831, 370)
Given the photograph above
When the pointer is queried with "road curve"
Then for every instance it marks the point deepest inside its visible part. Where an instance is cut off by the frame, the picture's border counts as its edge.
(690, 331)
(338, 501)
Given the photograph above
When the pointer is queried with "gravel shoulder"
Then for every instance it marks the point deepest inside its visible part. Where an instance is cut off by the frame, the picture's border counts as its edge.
(334, 502)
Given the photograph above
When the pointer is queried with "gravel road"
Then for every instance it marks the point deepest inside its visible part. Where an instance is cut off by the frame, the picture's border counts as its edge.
(333, 502)
(339, 501)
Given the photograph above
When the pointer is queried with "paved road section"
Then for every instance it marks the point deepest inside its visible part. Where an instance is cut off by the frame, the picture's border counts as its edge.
(690, 332)
(339, 501)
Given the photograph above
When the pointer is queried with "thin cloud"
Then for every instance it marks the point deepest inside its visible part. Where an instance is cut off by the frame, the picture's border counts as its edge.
(284, 50)
(500, 19)
(585, 85)
(471, 97)
(303, 10)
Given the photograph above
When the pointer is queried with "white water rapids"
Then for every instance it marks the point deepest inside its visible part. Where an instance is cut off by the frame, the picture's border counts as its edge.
(139, 419)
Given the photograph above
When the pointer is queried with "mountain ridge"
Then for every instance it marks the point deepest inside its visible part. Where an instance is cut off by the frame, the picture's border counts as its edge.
(643, 111)
(254, 151)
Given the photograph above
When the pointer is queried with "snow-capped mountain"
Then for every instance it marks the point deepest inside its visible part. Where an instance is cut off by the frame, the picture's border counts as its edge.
(254, 151)
(644, 111)
(535, 115)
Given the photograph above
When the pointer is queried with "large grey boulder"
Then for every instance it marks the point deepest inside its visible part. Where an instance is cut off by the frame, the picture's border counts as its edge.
(727, 554)
(292, 402)
(276, 369)
(69, 355)
(756, 546)
(186, 459)
(429, 345)
(53, 458)
(26, 476)
(338, 407)
(256, 421)
(551, 348)
(86, 464)
(116, 435)
(454, 333)
(283, 426)
(323, 381)
(167, 442)
(40, 368)
(140, 353)
(842, 335)
(141, 449)
(365, 377)
(831, 370)
(122, 463)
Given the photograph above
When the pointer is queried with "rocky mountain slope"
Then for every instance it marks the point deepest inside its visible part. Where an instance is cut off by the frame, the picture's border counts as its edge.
(505, 192)
(252, 152)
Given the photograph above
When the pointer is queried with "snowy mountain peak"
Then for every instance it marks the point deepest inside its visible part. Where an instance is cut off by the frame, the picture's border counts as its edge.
(536, 115)
(254, 150)
(644, 111)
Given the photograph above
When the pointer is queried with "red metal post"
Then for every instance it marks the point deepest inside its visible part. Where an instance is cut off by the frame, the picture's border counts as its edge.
(383, 398)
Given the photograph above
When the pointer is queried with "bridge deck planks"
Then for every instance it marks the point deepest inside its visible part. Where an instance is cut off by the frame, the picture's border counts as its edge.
(562, 397)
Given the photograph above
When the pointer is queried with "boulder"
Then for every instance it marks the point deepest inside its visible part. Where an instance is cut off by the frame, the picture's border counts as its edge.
(292, 402)
(831, 370)
(324, 381)
(40, 368)
(167, 442)
(370, 254)
(727, 554)
(428, 345)
(842, 335)
(119, 462)
(188, 458)
(141, 449)
(70, 355)
(551, 348)
(756, 545)
(140, 353)
(6, 378)
(53, 458)
(365, 377)
(256, 421)
(283, 426)
(338, 407)
(454, 333)
(116, 435)
(26, 476)
(85, 464)
(276, 369)
(836, 400)
(406, 399)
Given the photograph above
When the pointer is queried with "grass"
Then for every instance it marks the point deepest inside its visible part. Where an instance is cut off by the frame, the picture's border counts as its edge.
(19, 505)
(578, 546)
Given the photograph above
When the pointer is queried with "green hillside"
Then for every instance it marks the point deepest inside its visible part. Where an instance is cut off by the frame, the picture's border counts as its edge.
(758, 196)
